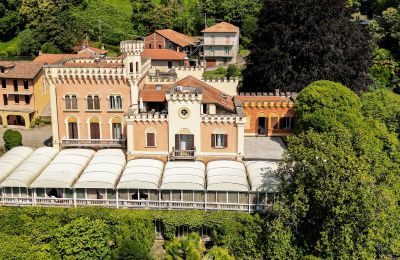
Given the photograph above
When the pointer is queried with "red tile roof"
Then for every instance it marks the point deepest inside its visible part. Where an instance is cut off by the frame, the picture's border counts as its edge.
(54, 58)
(176, 37)
(99, 51)
(150, 94)
(163, 54)
(210, 94)
(262, 98)
(222, 27)
(20, 69)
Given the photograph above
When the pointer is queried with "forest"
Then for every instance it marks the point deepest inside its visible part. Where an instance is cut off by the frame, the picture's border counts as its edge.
(53, 26)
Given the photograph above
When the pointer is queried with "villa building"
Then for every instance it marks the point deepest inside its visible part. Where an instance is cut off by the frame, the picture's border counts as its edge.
(170, 39)
(23, 95)
(221, 44)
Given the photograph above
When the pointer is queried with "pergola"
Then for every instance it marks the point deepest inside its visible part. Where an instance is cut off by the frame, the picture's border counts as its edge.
(83, 177)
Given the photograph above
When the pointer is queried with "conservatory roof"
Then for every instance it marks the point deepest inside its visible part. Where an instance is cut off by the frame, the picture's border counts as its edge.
(183, 176)
(12, 159)
(141, 174)
(103, 170)
(26, 172)
(64, 169)
(226, 176)
(262, 176)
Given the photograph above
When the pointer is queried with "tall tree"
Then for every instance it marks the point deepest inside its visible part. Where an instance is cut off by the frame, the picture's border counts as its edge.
(298, 42)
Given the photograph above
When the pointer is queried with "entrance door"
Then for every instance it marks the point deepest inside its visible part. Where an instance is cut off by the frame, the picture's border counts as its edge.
(94, 131)
(262, 126)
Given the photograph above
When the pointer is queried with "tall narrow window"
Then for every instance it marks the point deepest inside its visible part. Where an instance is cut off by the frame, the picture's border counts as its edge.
(3, 83)
(67, 102)
(119, 103)
(16, 99)
(169, 64)
(90, 103)
(96, 102)
(26, 84)
(116, 131)
(74, 102)
(72, 130)
(137, 67)
(112, 102)
(226, 49)
(27, 99)
(94, 130)
(131, 67)
(15, 85)
(5, 99)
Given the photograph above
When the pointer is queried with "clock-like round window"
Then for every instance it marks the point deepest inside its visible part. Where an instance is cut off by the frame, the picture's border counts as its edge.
(184, 113)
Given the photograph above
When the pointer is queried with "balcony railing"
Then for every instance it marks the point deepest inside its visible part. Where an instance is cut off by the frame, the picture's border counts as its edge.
(178, 154)
(93, 143)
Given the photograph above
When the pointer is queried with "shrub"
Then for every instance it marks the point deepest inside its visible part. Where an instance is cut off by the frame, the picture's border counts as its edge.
(187, 247)
(232, 71)
(49, 47)
(12, 138)
(27, 44)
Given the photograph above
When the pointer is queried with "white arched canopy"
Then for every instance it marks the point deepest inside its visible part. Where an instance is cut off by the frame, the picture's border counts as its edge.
(179, 175)
(26, 173)
(12, 159)
(141, 174)
(226, 175)
(262, 176)
(103, 170)
(63, 171)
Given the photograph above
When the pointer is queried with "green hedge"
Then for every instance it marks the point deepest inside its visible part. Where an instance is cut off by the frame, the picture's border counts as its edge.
(12, 138)
(122, 230)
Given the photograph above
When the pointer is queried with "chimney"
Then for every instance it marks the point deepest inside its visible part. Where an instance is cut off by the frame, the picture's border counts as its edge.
(277, 92)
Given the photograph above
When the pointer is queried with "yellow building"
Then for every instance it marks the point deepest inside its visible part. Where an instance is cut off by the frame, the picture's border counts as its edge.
(23, 94)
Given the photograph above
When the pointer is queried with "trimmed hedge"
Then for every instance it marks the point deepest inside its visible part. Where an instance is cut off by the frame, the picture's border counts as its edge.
(240, 233)
(12, 138)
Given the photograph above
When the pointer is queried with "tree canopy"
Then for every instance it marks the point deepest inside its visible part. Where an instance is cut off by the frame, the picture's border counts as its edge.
(316, 41)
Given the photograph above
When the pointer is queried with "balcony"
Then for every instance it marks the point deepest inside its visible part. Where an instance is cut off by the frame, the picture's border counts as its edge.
(182, 154)
(208, 42)
(93, 143)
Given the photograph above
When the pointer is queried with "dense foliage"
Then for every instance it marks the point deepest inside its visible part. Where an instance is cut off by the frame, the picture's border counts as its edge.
(12, 138)
(119, 234)
(316, 41)
(341, 180)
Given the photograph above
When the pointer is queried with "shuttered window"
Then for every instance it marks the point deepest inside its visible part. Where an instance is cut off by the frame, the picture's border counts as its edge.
(94, 131)
(150, 139)
(67, 102)
(74, 102)
(96, 101)
(90, 102)
(219, 140)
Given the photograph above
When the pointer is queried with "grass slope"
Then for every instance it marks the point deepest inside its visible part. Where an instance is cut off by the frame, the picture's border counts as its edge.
(124, 6)
(9, 48)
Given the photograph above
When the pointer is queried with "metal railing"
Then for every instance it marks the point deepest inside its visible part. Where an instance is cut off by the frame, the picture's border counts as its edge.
(178, 154)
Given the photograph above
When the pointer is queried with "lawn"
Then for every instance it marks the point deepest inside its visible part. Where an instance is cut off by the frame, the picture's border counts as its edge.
(124, 6)
(217, 73)
(9, 48)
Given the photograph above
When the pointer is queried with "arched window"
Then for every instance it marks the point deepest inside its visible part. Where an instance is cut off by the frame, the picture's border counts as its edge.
(90, 103)
(112, 102)
(116, 128)
(73, 128)
(67, 102)
(119, 102)
(94, 128)
(74, 102)
(96, 101)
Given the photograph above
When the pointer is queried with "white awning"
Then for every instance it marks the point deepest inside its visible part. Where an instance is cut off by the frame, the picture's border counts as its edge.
(141, 174)
(64, 169)
(103, 170)
(30, 168)
(226, 175)
(12, 159)
(262, 176)
(183, 176)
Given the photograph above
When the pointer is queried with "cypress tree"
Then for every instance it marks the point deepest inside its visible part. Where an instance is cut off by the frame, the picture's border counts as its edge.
(300, 41)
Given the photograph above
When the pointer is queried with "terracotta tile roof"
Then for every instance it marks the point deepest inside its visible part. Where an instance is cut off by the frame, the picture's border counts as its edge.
(54, 58)
(163, 54)
(150, 94)
(176, 37)
(262, 98)
(210, 94)
(99, 51)
(222, 27)
(20, 69)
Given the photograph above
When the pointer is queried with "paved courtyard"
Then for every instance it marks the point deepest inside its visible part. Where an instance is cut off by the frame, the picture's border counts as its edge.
(266, 148)
(35, 137)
